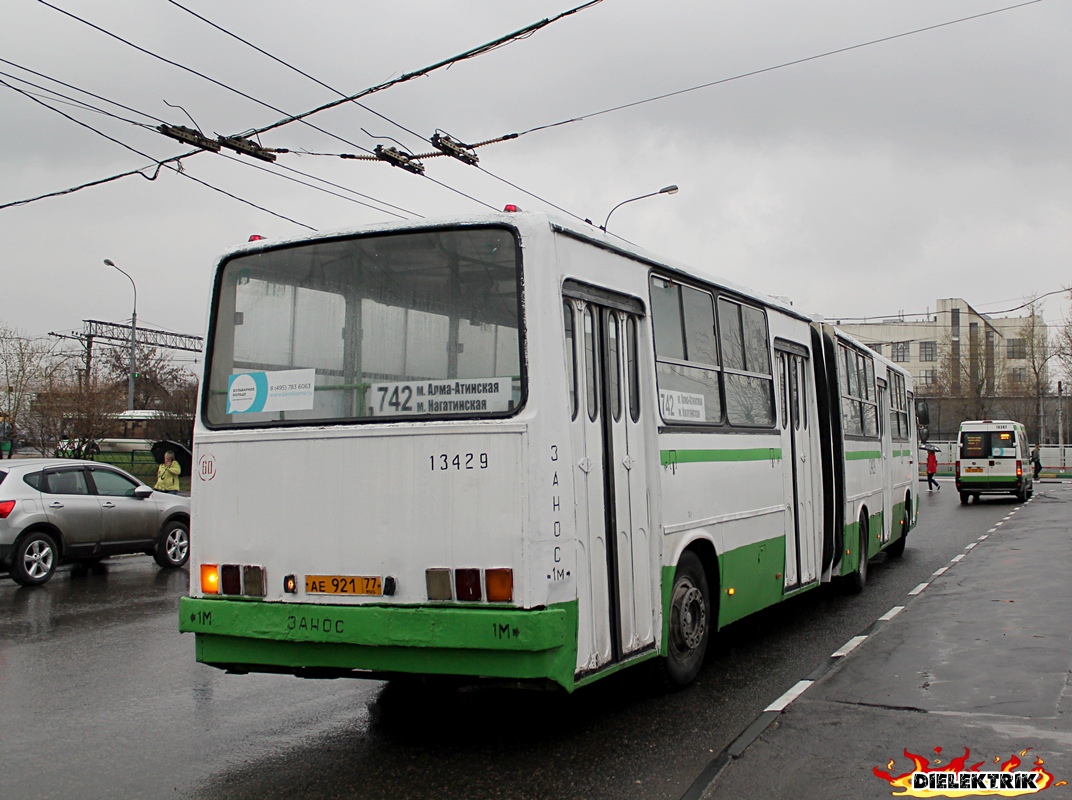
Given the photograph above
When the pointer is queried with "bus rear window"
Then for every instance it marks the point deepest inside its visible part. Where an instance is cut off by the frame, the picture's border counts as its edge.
(408, 325)
(987, 444)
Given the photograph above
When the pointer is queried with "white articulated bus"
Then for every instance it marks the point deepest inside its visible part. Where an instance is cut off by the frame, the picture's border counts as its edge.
(510, 447)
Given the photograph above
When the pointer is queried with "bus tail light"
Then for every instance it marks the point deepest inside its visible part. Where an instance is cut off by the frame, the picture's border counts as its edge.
(437, 580)
(1019, 468)
(210, 579)
(233, 579)
(230, 579)
(467, 584)
(958, 468)
(499, 585)
(253, 581)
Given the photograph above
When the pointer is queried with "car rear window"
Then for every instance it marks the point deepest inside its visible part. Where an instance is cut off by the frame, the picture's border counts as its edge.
(987, 444)
(33, 479)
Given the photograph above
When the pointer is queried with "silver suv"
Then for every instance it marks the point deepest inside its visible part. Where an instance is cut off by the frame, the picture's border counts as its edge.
(55, 510)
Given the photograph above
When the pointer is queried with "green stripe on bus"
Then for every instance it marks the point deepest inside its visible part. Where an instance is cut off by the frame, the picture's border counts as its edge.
(698, 456)
(467, 641)
(989, 479)
(862, 455)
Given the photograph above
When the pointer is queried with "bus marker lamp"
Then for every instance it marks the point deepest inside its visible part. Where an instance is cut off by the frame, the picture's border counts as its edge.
(390, 585)
(731, 591)
(290, 584)
(437, 580)
(210, 579)
(467, 584)
(499, 584)
(230, 579)
(253, 581)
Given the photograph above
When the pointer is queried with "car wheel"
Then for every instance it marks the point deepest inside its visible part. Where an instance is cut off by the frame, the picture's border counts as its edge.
(173, 547)
(690, 623)
(34, 559)
(964, 498)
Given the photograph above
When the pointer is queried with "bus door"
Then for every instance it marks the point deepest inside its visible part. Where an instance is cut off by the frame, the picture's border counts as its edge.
(885, 436)
(803, 549)
(618, 603)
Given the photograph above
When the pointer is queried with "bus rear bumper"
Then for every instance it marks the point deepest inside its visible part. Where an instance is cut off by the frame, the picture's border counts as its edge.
(374, 640)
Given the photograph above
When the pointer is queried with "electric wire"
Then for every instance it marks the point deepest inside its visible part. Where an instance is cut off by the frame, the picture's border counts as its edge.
(468, 54)
(472, 53)
(881, 317)
(317, 188)
(179, 170)
(793, 63)
(86, 106)
(77, 89)
(59, 97)
(367, 108)
(290, 66)
(201, 75)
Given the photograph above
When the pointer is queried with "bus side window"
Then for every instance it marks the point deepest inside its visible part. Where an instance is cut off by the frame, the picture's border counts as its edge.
(747, 367)
(632, 368)
(590, 376)
(614, 365)
(571, 356)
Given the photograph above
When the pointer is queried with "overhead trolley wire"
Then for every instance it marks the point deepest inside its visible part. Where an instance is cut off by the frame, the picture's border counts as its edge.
(472, 53)
(290, 66)
(783, 65)
(134, 150)
(353, 99)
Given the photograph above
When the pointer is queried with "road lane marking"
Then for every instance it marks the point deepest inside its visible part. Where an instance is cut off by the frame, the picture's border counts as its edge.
(918, 589)
(893, 612)
(782, 702)
(849, 646)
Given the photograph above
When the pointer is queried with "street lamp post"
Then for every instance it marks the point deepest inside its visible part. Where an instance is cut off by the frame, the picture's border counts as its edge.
(665, 190)
(133, 334)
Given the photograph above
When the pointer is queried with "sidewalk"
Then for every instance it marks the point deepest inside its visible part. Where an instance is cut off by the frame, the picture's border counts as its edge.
(978, 659)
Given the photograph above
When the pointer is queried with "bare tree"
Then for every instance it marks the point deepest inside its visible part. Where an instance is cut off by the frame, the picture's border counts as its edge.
(71, 407)
(1039, 352)
(23, 360)
(155, 377)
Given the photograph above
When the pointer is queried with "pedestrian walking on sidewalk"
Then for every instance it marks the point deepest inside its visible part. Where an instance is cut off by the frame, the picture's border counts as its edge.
(932, 468)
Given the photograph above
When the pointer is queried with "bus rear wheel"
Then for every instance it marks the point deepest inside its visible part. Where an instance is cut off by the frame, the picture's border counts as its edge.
(897, 548)
(858, 579)
(690, 623)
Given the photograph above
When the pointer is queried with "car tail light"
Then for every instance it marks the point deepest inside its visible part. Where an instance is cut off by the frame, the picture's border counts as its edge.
(499, 585)
(210, 579)
(467, 584)
(6, 507)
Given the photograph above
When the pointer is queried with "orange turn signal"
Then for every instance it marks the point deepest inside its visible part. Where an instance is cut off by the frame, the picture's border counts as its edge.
(210, 579)
(500, 585)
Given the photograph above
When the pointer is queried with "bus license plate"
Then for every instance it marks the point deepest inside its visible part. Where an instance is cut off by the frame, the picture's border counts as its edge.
(344, 584)
(973, 469)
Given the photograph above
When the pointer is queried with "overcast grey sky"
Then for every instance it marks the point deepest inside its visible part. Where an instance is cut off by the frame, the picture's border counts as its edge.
(865, 183)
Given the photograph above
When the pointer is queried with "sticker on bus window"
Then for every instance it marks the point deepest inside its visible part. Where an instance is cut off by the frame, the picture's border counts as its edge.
(454, 396)
(682, 406)
(286, 390)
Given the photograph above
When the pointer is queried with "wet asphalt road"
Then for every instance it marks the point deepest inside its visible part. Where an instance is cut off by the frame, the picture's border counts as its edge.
(101, 697)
